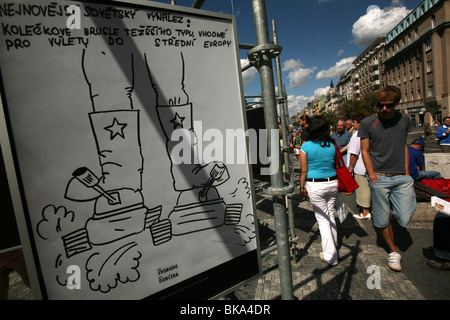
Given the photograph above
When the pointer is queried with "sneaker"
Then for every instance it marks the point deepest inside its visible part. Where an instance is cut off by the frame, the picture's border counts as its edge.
(394, 261)
(323, 259)
(361, 217)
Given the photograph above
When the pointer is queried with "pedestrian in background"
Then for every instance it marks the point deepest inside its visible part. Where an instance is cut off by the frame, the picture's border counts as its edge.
(342, 138)
(443, 134)
(417, 162)
(304, 121)
(349, 126)
(427, 131)
(318, 179)
(357, 168)
(386, 158)
(441, 242)
(296, 145)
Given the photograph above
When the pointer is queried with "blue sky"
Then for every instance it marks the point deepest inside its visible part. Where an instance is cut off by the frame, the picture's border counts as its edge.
(320, 38)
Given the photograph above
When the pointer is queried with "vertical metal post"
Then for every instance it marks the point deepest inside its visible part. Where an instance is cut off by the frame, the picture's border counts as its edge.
(198, 4)
(281, 93)
(271, 121)
(287, 162)
(286, 113)
(282, 109)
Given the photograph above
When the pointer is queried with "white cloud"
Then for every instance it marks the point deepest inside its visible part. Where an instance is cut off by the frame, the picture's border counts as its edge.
(340, 52)
(292, 64)
(299, 76)
(321, 92)
(297, 103)
(341, 67)
(377, 22)
(248, 75)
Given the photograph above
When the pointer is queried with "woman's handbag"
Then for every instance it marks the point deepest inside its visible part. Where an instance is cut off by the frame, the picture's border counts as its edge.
(345, 179)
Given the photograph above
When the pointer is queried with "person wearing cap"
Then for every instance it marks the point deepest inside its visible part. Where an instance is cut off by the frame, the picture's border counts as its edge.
(417, 162)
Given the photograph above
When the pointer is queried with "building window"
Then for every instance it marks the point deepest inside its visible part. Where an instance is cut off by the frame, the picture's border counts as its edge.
(429, 66)
(430, 92)
(428, 44)
(433, 22)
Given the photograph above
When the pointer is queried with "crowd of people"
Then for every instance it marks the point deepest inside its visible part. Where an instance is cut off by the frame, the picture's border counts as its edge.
(376, 153)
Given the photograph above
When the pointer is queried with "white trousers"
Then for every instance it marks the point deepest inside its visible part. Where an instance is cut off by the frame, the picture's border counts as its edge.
(323, 196)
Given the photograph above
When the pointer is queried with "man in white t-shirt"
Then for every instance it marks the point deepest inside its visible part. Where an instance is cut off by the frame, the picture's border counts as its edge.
(357, 168)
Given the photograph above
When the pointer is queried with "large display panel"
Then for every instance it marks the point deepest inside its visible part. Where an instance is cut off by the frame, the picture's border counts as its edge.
(124, 123)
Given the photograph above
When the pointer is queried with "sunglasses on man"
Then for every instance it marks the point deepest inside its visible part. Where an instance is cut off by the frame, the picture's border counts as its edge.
(388, 105)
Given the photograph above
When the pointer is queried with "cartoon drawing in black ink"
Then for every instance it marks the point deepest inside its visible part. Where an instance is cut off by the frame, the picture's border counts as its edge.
(199, 205)
(119, 211)
(119, 214)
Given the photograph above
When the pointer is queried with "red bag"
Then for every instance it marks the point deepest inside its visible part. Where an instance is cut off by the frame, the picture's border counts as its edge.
(441, 184)
(345, 179)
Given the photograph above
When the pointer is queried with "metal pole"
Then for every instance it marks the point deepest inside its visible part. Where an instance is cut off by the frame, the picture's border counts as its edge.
(282, 110)
(198, 4)
(287, 162)
(264, 51)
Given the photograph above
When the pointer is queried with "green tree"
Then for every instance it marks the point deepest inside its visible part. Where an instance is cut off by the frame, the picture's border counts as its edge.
(330, 117)
(366, 105)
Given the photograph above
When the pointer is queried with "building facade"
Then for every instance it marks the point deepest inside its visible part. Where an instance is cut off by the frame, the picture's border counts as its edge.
(368, 71)
(417, 61)
(414, 56)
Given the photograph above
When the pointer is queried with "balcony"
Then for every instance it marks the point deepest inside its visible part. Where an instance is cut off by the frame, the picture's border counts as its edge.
(375, 73)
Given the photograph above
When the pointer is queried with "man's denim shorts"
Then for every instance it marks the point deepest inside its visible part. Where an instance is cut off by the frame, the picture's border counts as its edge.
(394, 193)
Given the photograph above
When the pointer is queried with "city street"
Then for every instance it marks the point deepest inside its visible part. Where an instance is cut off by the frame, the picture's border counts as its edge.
(431, 145)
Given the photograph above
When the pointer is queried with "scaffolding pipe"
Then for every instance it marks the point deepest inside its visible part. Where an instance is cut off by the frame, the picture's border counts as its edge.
(198, 4)
(282, 110)
(268, 250)
(267, 225)
(287, 163)
(247, 66)
(246, 46)
(271, 121)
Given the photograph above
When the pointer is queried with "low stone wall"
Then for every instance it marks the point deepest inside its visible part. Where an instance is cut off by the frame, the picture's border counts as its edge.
(438, 162)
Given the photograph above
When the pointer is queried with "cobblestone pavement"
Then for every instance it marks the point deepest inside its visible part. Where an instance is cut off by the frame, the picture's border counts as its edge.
(362, 255)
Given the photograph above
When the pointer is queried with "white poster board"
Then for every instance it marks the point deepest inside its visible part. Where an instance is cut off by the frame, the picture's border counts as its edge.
(118, 116)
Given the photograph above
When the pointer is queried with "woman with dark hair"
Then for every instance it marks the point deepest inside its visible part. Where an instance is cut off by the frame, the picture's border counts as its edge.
(318, 179)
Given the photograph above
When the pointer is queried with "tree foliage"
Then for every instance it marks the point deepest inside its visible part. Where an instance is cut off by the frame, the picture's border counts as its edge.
(366, 105)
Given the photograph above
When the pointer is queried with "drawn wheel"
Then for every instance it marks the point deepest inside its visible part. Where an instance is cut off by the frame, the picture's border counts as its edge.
(161, 232)
(233, 214)
(152, 216)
